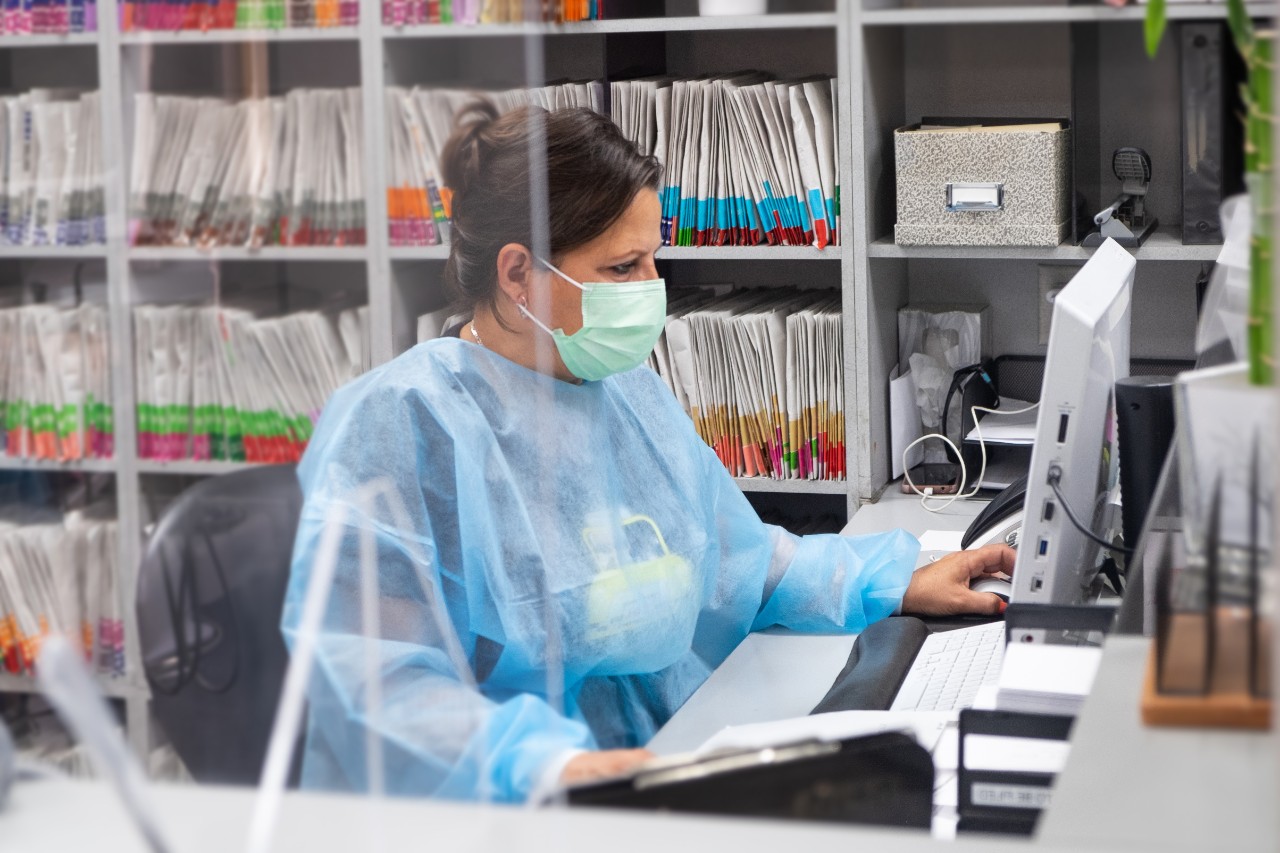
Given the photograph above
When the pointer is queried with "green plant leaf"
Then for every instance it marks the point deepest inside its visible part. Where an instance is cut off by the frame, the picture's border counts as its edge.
(1154, 26)
(1241, 25)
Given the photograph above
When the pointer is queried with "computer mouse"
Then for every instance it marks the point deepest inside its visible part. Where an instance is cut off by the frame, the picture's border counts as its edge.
(994, 585)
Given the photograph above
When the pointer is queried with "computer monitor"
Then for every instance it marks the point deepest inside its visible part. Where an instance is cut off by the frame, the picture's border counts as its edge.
(1075, 431)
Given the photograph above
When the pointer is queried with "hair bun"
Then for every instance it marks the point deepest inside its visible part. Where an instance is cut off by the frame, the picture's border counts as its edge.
(461, 158)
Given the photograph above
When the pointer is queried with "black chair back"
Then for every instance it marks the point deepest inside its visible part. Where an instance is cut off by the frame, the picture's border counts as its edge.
(209, 598)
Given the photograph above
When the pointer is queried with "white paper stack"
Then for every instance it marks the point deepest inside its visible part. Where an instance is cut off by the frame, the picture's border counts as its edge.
(264, 171)
(51, 169)
(1038, 678)
(219, 383)
(59, 575)
(761, 373)
(55, 383)
(420, 122)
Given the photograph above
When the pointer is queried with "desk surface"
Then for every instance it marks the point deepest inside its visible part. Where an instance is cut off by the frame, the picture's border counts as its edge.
(798, 669)
(68, 817)
(895, 509)
(1160, 788)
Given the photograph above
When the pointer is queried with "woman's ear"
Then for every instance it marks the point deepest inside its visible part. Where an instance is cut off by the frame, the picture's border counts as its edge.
(515, 272)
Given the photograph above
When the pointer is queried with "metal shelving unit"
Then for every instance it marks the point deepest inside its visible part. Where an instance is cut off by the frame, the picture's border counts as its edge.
(237, 36)
(233, 253)
(27, 253)
(778, 21)
(906, 63)
(8, 41)
(114, 688)
(17, 463)
(792, 487)
(116, 54)
(1163, 245)
(1099, 13)
(193, 467)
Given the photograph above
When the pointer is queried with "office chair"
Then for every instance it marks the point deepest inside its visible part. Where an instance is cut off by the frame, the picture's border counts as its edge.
(209, 597)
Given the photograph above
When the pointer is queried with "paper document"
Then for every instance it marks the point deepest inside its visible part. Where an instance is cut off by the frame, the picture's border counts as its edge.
(1047, 679)
(927, 726)
(904, 420)
(941, 540)
(1000, 428)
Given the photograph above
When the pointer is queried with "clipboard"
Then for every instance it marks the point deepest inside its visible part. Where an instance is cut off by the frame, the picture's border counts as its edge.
(884, 779)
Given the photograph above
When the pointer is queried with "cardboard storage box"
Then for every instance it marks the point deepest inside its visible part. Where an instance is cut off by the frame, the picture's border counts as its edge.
(1006, 184)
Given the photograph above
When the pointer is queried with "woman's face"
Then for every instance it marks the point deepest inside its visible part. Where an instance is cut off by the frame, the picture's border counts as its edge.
(623, 253)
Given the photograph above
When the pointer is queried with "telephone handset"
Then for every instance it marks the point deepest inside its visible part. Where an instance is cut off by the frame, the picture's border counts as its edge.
(1001, 520)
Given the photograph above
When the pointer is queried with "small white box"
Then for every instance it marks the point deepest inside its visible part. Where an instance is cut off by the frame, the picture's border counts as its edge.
(984, 185)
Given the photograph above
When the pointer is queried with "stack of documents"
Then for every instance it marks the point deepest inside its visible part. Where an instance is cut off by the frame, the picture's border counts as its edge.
(59, 575)
(41, 738)
(1038, 678)
(264, 171)
(55, 383)
(748, 160)
(399, 12)
(236, 14)
(23, 17)
(761, 373)
(420, 122)
(51, 153)
(219, 383)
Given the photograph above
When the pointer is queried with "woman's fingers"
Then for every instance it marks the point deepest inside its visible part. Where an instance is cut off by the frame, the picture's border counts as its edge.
(990, 559)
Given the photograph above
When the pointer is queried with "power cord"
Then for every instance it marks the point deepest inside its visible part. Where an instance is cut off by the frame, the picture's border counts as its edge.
(1055, 477)
(964, 470)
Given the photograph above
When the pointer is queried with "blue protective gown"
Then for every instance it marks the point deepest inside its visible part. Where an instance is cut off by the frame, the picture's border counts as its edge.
(559, 567)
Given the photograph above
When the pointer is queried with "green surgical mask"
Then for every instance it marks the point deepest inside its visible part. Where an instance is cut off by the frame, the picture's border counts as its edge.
(620, 326)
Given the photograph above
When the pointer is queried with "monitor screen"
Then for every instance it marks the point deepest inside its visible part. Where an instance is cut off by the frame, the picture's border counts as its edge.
(1075, 431)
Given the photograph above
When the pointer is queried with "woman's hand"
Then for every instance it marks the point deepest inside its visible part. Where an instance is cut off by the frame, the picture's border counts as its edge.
(942, 588)
(603, 765)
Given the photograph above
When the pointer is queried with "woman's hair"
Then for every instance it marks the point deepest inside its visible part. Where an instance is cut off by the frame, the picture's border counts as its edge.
(592, 175)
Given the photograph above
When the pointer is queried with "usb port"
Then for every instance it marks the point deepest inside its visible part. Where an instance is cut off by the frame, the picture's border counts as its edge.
(1043, 548)
(1062, 428)
(1037, 584)
(1048, 510)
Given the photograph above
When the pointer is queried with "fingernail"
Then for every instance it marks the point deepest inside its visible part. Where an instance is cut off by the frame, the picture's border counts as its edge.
(1004, 605)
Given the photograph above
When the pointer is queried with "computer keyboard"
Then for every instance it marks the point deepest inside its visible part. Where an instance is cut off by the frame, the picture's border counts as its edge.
(950, 667)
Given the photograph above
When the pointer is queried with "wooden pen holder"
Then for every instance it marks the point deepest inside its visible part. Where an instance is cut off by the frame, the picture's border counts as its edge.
(1226, 701)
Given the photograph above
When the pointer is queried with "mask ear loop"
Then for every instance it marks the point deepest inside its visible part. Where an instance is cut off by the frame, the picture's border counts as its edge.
(529, 315)
(557, 271)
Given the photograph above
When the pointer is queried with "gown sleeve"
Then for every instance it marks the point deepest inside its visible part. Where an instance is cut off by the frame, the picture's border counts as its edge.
(405, 678)
(820, 583)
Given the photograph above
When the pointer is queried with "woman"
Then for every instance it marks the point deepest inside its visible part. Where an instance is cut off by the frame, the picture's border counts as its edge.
(560, 560)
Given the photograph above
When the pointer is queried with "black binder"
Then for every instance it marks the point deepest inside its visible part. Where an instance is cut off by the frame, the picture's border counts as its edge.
(1212, 131)
(884, 779)
(1002, 800)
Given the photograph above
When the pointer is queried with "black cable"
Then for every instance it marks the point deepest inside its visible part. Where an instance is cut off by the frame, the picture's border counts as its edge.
(957, 380)
(231, 635)
(1079, 525)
